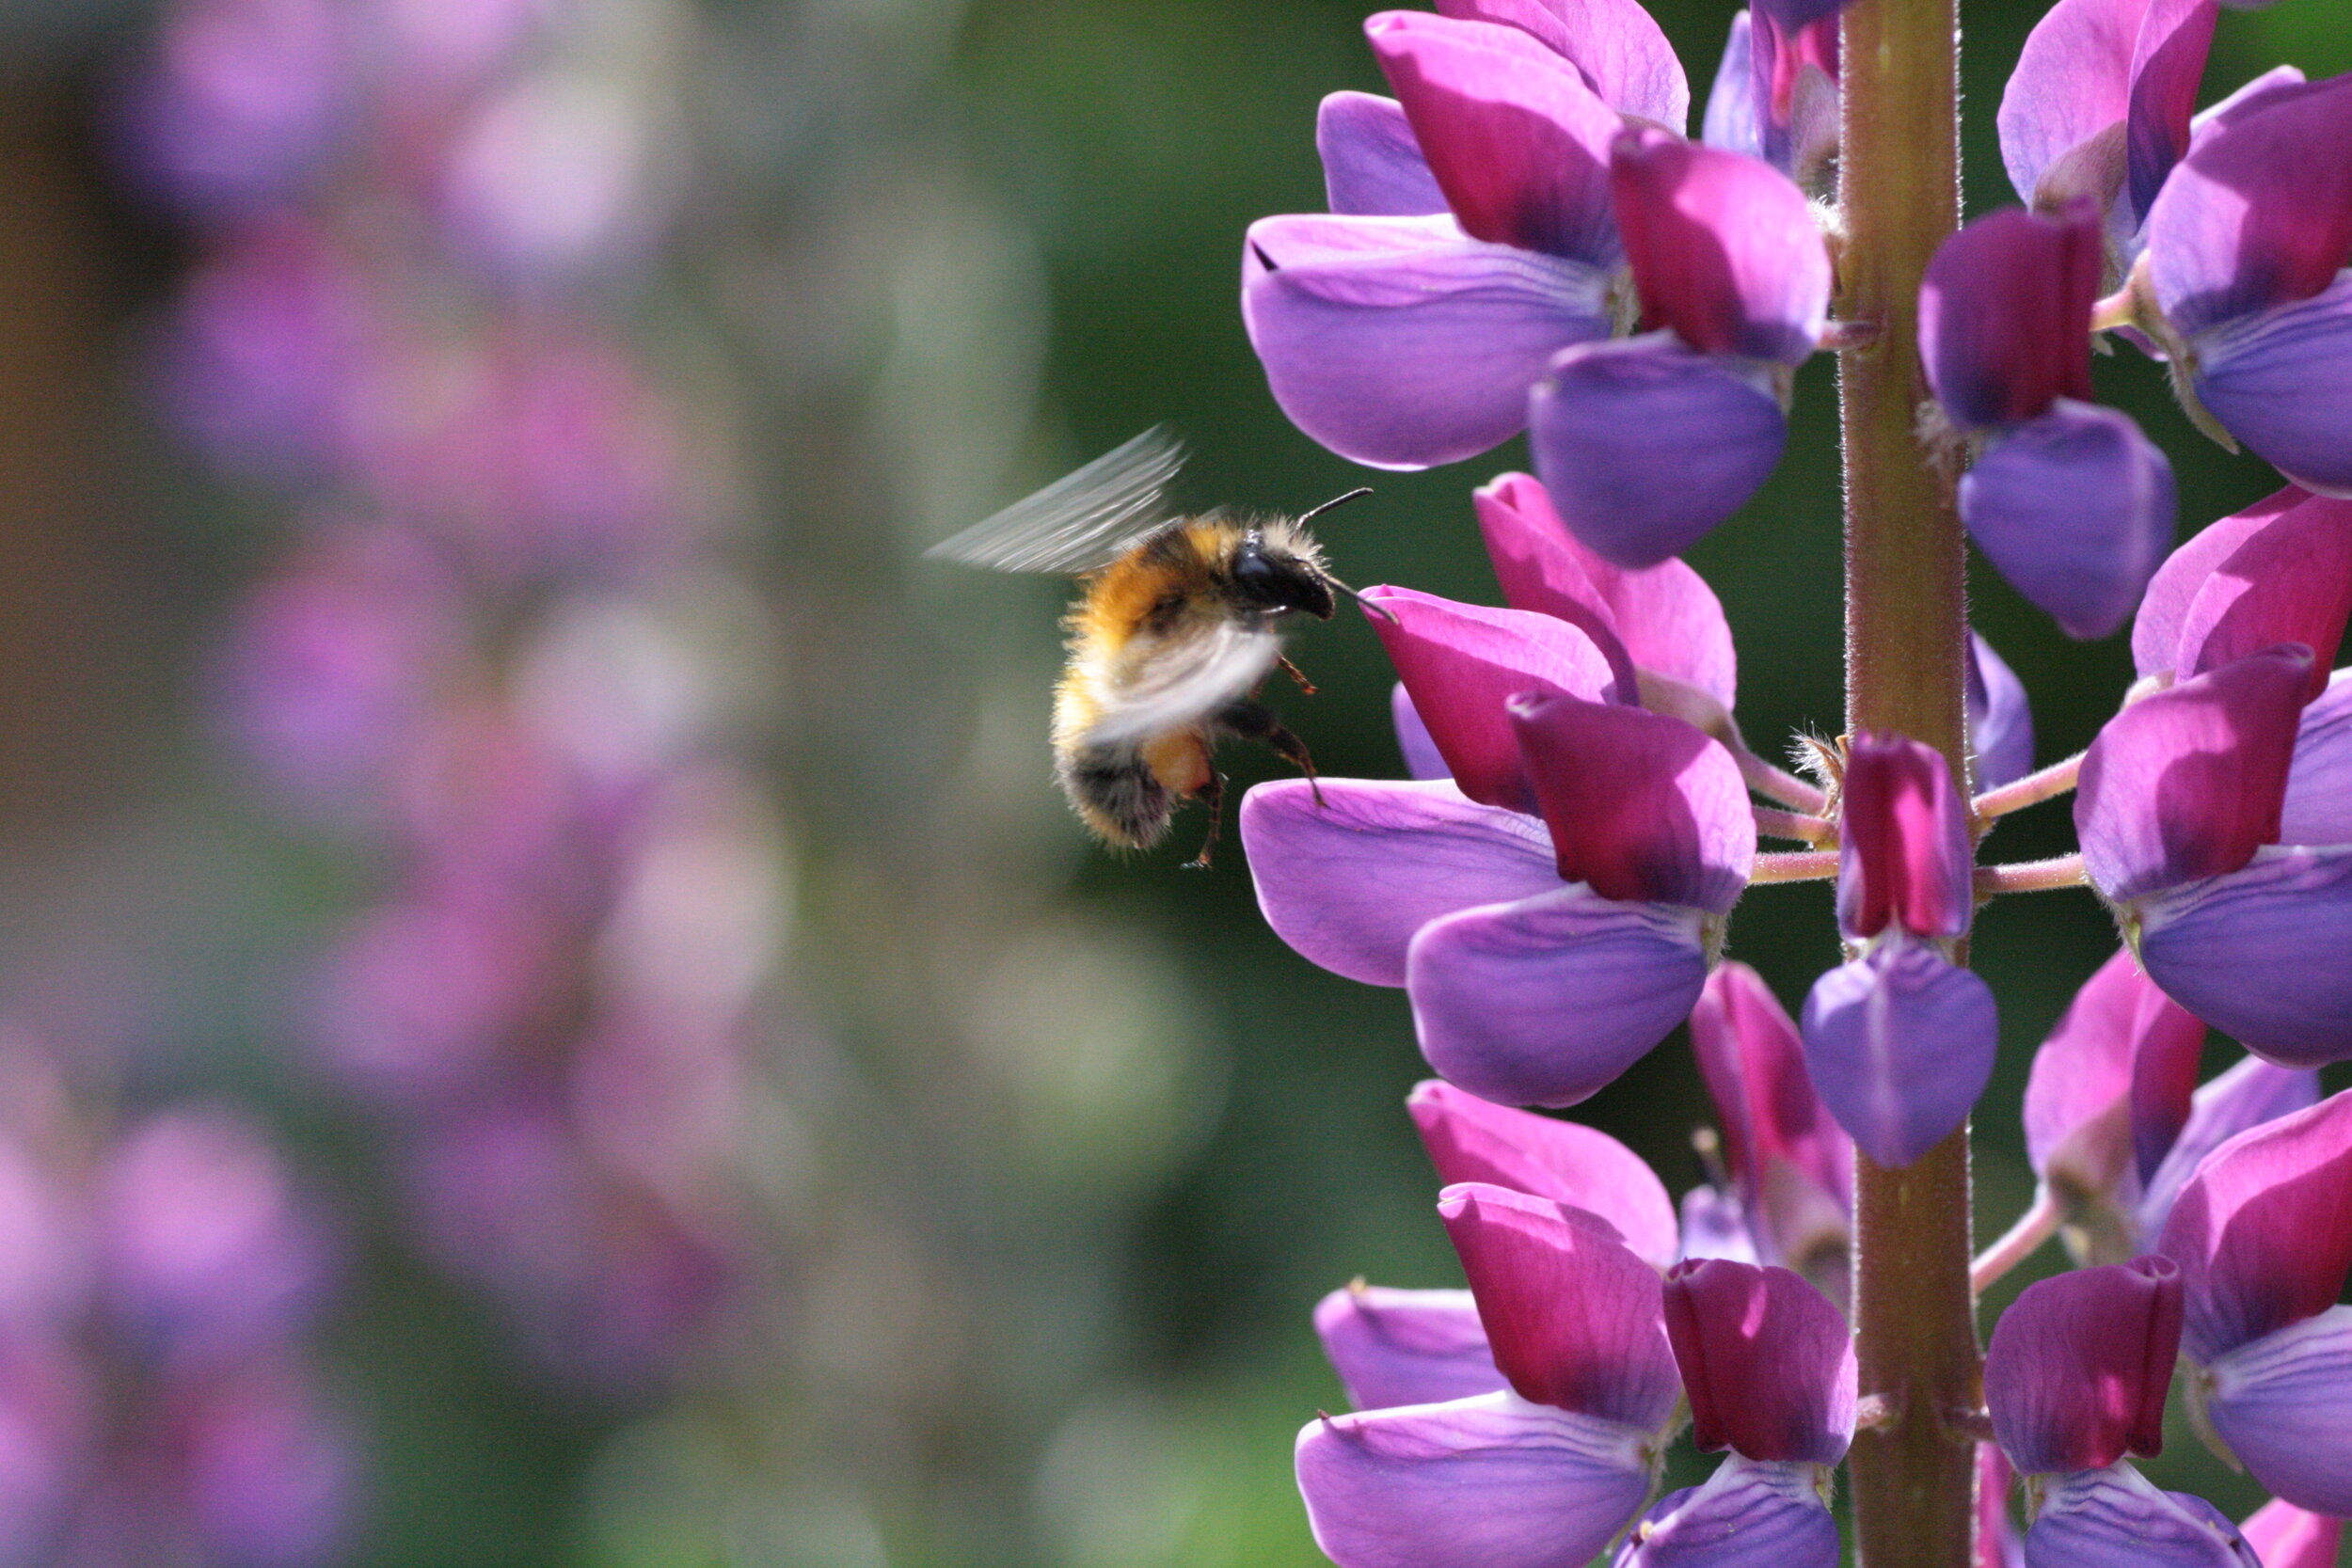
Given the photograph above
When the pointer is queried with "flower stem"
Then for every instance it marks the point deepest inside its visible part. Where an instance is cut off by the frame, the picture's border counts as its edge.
(1796, 866)
(2031, 790)
(1778, 783)
(1906, 633)
(2036, 1226)
(1794, 825)
(2061, 871)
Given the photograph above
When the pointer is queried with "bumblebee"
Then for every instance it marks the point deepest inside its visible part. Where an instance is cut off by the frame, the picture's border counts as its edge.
(1176, 626)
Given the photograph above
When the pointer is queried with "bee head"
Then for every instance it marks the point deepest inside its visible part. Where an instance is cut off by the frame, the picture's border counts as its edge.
(1270, 578)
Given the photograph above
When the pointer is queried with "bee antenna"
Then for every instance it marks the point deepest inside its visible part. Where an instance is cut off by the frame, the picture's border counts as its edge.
(1380, 610)
(1357, 494)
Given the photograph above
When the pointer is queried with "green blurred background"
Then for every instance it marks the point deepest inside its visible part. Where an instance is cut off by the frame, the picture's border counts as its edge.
(1072, 1144)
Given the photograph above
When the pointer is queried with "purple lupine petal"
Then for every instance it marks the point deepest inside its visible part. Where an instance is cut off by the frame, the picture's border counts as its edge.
(2004, 315)
(1715, 1226)
(2259, 953)
(1470, 1139)
(2000, 718)
(1348, 878)
(2168, 62)
(2072, 81)
(2263, 1232)
(2188, 782)
(1546, 1001)
(1485, 1482)
(2076, 510)
(2110, 1088)
(2285, 1536)
(2277, 381)
(1731, 121)
(1645, 445)
(2248, 1095)
(1901, 1044)
(2079, 1366)
(1372, 166)
(1461, 662)
(1724, 249)
(1747, 1516)
(2283, 1405)
(1399, 341)
(1768, 1362)
(1615, 44)
(2117, 1518)
(2259, 215)
(2318, 807)
(2272, 86)
(2289, 580)
(1423, 760)
(1643, 807)
(1574, 1319)
(1752, 1060)
(1904, 854)
(1665, 617)
(2164, 609)
(1405, 1347)
(1518, 142)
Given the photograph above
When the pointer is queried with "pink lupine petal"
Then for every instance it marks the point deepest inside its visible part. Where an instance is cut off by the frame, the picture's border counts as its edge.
(1462, 662)
(2077, 509)
(1665, 617)
(2079, 1366)
(1348, 879)
(1752, 1061)
(2259, 953)
(2072, 81)
(1997, 1542)
(1372, 166)
(1423, 760)
(2110, 1088)
(2248, 1095)
(1731, 121)
(1485, 1482)
(2289, 581)
(1643, 807)
(1401, 342)
(2168, 62)
(2164, 609)
(1906, 857)
(2259, 213)
(1901, 1045)
(2278, 381)
(2117, 1518)
(1725, 250)
(2004, 315)
(1615, 45)
(1518, 142)
(1747, 1516)
(1609, 420)
(2188, 782)
(2285, 1536)
(1546, 1001)
(1768, 1362)
(1575, 1319)
(1470, 1139)
(2319, 808)
(2279, 1403)
(2263, 1232)
(1395, 1347)
(2000, 718)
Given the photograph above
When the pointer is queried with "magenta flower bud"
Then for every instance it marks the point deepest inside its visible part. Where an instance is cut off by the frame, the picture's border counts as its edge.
(1462, 662)
(1725, 251)
(1997, 1542)
(1614, 44)
(1768, 1362)
(1904, 854)
(1405, 1347)
(2005, 316)
(2285, 1536)
(2189, 782)
(1643, 808)
(2279, 572)
(2079, 1366)
(1573, 1315)
(1792, 1163)
(2110, 1088)
(1470, 1139)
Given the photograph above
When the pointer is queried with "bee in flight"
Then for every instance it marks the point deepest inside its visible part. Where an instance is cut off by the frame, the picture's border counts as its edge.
(1177, 626)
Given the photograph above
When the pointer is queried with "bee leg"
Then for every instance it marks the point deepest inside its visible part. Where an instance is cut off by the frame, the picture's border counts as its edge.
(1212, 794)
(1255, 722)
(1306, 687)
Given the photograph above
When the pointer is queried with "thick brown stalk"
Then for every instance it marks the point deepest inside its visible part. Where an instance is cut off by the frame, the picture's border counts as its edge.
(1914, 1477)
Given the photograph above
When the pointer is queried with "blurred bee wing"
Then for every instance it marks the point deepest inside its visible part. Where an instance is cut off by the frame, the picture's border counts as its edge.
(1183, 684)
(1081, 522)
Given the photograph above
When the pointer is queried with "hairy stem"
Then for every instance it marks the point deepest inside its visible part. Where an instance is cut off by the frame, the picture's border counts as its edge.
(2034, 788)
(1778, 783)
(1794, 825)
(1795, 866)
(1906, 634)
(2060, 871)
(2036, 1226)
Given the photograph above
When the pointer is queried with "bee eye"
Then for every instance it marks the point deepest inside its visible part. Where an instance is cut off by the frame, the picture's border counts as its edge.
(1257, 578)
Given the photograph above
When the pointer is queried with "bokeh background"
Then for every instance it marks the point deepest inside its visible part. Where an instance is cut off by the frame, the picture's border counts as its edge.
(549, 1012)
